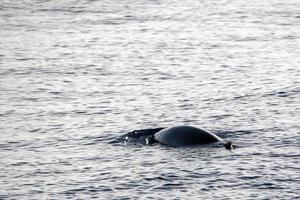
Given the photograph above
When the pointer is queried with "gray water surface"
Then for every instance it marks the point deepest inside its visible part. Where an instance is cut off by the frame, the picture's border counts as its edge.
(76, 75)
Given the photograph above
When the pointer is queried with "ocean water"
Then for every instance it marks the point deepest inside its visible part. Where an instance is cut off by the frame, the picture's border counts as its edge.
(76, 75)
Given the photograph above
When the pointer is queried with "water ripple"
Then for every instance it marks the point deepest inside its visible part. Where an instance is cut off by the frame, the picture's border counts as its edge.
(77, 76)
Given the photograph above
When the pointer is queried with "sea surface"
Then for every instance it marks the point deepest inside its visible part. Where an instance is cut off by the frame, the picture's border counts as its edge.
(76, 75)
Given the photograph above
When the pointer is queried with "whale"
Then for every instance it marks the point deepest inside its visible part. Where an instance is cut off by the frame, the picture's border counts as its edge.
(185, 135)
(178, 136)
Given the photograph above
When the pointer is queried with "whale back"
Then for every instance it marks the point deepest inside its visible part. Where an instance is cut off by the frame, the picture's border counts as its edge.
(185, 135)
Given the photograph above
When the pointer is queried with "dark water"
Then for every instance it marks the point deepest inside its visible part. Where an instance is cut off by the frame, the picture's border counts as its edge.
(75, 75)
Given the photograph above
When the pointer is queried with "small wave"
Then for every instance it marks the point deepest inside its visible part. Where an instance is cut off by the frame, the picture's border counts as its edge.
(284, 92)
(266, 186)
(103, 138)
